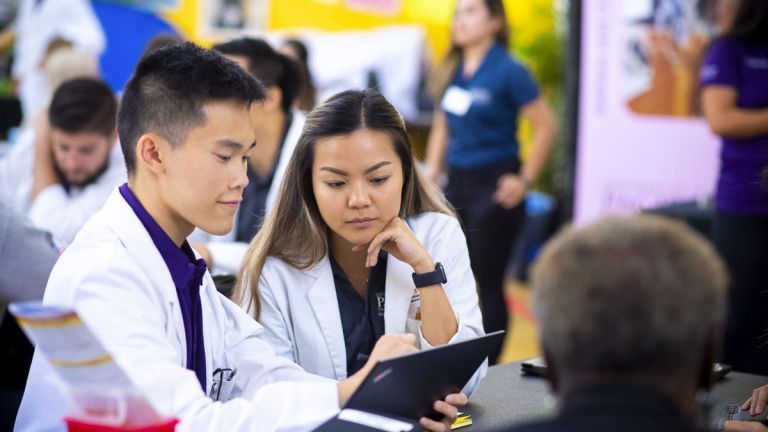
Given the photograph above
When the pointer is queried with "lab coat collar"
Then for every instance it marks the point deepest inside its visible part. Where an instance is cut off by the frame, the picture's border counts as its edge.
(124, 223)
(187, 273)
(322, 297)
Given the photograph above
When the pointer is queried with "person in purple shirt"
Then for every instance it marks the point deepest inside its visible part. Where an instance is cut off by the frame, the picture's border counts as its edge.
(734, 77)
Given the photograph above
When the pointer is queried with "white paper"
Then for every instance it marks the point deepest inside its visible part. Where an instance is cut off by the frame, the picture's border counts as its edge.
(374, 421)
(101, 390)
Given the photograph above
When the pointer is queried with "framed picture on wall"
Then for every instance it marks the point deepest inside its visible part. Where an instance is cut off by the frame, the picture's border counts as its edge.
(229, 18)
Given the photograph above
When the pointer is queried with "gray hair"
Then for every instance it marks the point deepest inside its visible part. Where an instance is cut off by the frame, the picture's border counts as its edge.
(628, 294)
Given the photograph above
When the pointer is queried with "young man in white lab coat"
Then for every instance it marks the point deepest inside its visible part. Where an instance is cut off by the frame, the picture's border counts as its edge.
(186, 132)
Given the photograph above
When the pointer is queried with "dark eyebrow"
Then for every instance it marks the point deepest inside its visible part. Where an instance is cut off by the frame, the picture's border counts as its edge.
(234, 144)
(367, 171)
(335, 171)
(375, 167)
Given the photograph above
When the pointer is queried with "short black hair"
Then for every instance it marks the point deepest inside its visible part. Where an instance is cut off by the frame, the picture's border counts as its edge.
(750, 23)
(267, 65)
(168, 90)
(83, 105)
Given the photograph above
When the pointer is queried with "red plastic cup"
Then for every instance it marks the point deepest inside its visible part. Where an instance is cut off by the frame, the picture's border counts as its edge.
(74, 425)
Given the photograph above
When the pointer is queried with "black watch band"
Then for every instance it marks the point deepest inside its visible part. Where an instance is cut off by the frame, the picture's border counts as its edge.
(432, 278)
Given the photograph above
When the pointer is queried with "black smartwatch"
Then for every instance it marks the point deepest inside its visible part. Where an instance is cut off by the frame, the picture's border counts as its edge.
(432, 278)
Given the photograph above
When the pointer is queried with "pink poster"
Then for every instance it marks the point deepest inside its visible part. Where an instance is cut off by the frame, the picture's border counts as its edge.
(642, 142)
(386, 7)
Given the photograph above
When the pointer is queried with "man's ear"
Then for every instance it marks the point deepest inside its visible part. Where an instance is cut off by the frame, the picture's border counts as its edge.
(274, 99)
(710, 352)
(552, 375)
(150, 152)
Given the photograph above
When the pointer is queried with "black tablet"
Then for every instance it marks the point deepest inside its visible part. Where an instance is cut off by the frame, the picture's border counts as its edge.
(407, 386)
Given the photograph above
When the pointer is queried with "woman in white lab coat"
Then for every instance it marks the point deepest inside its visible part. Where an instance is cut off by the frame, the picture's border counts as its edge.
(358, 246)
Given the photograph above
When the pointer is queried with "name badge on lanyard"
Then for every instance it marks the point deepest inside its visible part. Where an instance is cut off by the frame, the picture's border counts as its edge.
(456, 101)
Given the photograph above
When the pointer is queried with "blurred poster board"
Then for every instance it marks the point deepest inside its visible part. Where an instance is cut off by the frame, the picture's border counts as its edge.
(149, 5)
(641, 141)
(390, 58)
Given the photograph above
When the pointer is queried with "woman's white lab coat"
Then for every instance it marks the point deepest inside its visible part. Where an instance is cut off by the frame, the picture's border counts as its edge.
(115, 278)
(300, 311)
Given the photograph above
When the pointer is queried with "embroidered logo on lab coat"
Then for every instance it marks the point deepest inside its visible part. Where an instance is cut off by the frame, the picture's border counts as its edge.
(380, 303)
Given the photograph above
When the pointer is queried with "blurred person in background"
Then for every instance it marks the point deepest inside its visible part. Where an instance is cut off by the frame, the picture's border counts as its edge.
(62, 62)
(38, 23)
(76, 163)
(734, 77)
(297, 50)
(630, 310)
(480, 91)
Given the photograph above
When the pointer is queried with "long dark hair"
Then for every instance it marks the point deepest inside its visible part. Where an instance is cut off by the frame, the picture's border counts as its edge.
(750, 23)
(294, 231)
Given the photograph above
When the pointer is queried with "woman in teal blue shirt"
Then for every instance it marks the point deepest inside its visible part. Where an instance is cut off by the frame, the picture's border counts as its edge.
(480, 92)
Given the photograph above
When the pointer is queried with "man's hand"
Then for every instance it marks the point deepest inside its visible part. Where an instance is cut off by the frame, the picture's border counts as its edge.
(43, 171)
(745, 426)
(449, 408)
(756, 404)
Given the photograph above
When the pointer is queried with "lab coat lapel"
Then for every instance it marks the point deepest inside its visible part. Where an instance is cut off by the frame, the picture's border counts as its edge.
(139, 245)
(213, 320)
(322, 297)
(397, 295)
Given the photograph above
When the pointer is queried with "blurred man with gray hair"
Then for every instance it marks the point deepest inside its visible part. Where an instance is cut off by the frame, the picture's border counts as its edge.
(630, 311)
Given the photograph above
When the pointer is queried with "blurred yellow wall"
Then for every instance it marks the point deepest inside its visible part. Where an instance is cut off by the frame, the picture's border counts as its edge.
(531, 21)
(528, 18)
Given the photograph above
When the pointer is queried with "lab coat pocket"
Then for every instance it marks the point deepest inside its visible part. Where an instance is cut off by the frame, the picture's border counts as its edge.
(223, 386)
(412, 326)
(413, 320)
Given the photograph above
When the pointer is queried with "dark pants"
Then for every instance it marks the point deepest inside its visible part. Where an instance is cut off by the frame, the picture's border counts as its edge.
(742, 240)
(491, 231)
